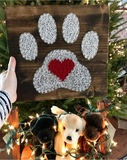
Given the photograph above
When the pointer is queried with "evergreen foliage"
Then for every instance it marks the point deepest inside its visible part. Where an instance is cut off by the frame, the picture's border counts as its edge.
(116, 59)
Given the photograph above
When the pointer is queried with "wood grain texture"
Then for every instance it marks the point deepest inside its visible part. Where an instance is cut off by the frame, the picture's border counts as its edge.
(22, 19)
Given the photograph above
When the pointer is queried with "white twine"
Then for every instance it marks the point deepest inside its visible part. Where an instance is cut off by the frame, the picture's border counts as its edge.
(47, 28)
(70, 28)
(78, 80)
(28, 46)
(89, 45)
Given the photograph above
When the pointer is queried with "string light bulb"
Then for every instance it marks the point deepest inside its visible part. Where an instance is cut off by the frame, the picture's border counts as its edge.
(117, 107)
(37, 115)
(26, 141)
(28, 123)
(31, 117)
(43, 146)
(22, 140)
(88, 142)
(63, 157)
(106, 123)
(11, 127)
(64, 150)
(94, 143)
(41, 158)
(114, 143)
(55, 128)
(8, 151)
(18, 142)
(5, 130)
(33, 153)
(88, 102)
(106, 132)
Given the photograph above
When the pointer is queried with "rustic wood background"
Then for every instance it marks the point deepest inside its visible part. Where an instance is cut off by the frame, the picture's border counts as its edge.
(22, 19)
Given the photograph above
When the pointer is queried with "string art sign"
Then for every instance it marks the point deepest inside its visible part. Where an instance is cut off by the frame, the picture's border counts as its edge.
(61, 51)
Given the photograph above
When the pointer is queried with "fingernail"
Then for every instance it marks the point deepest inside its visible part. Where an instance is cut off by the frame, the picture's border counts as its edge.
(11, 58)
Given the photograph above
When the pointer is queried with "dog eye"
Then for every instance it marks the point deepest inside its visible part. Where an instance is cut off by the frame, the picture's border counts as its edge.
(76, 130)
(64, 128)
(100, 130)
(87, 125)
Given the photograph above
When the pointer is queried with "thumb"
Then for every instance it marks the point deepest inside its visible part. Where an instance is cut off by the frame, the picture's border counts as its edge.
(12, 63)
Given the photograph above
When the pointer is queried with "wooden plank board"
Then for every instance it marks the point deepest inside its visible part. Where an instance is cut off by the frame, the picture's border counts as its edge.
(22, 19)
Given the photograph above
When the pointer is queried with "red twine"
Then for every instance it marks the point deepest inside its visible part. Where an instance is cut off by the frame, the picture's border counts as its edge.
(61, 69)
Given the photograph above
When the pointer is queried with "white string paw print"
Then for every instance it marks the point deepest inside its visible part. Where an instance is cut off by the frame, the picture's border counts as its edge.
(60, 68)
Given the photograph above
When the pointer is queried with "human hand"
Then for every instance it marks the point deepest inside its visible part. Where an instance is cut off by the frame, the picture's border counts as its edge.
(8, 80)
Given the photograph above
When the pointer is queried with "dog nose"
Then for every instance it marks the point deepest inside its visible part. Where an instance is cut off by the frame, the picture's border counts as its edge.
(90, 134)
(69, 138)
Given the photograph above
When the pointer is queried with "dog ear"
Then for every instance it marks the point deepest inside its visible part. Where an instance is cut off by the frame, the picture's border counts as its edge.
(82, 110)
(56, 110)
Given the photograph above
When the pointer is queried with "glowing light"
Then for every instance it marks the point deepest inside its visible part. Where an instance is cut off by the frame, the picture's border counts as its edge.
(22, 140)
(55, 128)
(114, 143)
(37, 115)
(63, 156)
(8, 151)
(5, 130)
(88, 143)
(106, 123)
(87, 1)
(11, 127)
(31, 117)
(43, 157)
(18, 142)
(5, 122)
(28, 123)
(106, 132)
(26, 141)
(33, 153)
(94, 143)
(88, 102)
(43, 146)
(64, 150)
(110, 150)
(117, 107)
(119, 90)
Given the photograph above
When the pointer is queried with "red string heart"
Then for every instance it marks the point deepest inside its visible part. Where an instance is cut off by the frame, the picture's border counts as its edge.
(61, 69)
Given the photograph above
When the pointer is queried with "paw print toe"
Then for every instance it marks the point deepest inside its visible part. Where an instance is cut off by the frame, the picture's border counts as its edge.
(28, 46)
(70, 28)
(89, 45)
(47, 28)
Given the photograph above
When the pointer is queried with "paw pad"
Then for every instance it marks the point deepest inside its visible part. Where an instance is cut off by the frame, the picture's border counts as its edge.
(60, 68)
(66, 73)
